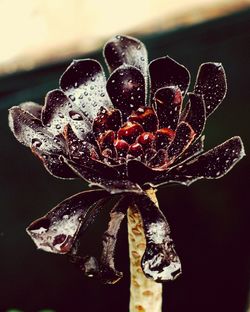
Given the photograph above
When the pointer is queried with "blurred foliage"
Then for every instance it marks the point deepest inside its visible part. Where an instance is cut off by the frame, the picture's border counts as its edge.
(209, 220)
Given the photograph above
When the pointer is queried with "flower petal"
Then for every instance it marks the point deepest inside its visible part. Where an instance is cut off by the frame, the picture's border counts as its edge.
(109, 274)
(168, 102)
(107, 120)
(29, 131)
(211, 84)
(165, 72)
(85, 84)
(32, 108)
(126, 88)
(160, 261)
(183, 138)
(146, 117)
(146, 174)
(194, 149)
(210, 165)
(59, 111)
(196, 115)
(126, 50)
(54, 164)
(57, 231)
(105, 177)
(79, 150)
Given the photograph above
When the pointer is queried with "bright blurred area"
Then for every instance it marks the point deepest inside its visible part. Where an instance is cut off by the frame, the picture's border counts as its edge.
(35, 32)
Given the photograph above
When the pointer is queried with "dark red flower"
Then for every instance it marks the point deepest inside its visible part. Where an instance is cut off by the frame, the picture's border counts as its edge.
(120, 139)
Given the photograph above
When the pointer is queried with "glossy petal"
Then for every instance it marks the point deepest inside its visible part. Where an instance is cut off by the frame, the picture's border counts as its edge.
(183, 138)
(105, 177)
(126, 88)
(146, 174)
(32, 108)
(196, 148)
(107, 120)
(146, 117)
(57, 231)
(29, 131)
(59, 111)
(126, 50)
(85, 84)
(196, 115)
(160, 261)
(109, 273)
(54, 164)
(168, 102)
(210, 165)
(165, 72)
(211, 84)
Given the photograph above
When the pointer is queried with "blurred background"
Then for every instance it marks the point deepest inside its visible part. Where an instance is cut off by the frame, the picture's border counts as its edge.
(209, 220)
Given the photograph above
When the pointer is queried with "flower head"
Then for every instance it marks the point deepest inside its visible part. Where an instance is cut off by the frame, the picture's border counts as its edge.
(121, 138)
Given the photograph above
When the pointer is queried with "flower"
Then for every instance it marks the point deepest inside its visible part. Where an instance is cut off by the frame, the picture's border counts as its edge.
(123, 141)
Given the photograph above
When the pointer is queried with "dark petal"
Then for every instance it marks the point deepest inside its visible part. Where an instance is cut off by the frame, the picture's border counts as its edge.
(194, 149)
(196, 115)
(29, 131)
(126, 88)
(32, 108)
(59, 111)
(129, 132)
(105, 177)
(85, 84)
(146, 117)
(183, 138)
(211, 84)
(57, 231)
(168, 102)
(210, 165)
(163, 137)
(165, 72)
(126, 50)
(159, 160)
(140, 173)
(79, 150)
(107, 120)
(54, 164)
(106, 139)
(109, 274)
(160, 261)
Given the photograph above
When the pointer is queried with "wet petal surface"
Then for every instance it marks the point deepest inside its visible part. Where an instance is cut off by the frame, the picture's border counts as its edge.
(210, 165)
(109, 273)
(165, 72)
(196, 114)
(160, 261)
(57, 231)
(211, 84)
(126, 88)
(85, 84)
(168, 102)
(126, 50)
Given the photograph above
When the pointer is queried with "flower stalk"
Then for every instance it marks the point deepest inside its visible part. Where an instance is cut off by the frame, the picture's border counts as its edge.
(145, 294)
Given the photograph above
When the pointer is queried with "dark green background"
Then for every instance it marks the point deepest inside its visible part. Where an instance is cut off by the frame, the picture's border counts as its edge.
(209, 220)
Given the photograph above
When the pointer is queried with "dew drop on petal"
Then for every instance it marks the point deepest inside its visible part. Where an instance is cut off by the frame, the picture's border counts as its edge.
(75, 116)
(36, 142)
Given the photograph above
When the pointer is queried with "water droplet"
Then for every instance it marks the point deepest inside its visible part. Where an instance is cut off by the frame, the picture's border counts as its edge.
(72, 97)
(36, 142)
(92, 78)
(75, 116)
(58, 126)
(85, 93)
(102, 94)
(76, 85)
(60, 115)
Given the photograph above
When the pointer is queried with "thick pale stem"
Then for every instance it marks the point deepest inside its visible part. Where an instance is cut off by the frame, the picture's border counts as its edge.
(145, 294)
